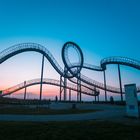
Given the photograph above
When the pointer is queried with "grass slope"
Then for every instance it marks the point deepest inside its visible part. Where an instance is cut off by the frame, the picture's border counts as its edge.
(81, 130)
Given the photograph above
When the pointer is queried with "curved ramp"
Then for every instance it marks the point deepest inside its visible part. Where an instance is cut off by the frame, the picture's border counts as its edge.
(54, 82)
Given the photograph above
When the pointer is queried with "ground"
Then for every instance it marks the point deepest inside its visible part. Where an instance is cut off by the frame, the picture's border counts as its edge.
(80, 130)
(91, 122)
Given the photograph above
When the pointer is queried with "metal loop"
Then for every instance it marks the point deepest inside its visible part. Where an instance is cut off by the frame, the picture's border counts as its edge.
(72, 69)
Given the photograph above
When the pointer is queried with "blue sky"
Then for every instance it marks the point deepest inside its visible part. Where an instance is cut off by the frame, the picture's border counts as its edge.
(101, 28)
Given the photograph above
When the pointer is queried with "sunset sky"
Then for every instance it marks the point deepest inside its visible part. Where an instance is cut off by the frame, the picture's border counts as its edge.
(102, 28)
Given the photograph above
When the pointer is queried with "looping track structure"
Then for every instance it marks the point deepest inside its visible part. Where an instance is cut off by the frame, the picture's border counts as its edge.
(74, 69)
(71, 71)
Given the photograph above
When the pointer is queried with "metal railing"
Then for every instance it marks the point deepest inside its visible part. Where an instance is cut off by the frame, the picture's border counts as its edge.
(32, 82)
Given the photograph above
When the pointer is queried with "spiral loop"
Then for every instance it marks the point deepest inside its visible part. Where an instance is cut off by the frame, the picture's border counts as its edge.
(72, 69)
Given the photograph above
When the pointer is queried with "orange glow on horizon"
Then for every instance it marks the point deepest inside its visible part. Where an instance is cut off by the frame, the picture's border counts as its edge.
(35, 90)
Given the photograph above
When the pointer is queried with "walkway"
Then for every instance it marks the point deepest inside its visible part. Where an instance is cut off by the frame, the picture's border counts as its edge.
(109, 112)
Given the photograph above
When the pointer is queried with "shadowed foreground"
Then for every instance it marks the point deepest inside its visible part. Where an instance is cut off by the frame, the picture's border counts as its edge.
(88, 130)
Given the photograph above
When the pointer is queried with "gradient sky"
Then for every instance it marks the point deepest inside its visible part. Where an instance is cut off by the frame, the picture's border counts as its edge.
(101, 28)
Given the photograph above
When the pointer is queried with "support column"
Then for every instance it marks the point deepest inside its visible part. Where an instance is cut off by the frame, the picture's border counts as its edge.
(41, 82)
(98, 98)
(79, 88)
(60, 94)
(25, 90)
(69, 94)
(95, 93)
(65, 89)
(105, 85)
(65, 85)
(95, 98)
(120, 82)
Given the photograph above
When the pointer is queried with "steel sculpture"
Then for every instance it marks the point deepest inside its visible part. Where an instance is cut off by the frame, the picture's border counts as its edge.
(72, 71)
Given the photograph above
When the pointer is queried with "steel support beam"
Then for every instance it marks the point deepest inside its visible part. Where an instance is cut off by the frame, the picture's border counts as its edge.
(120, 82)
(105, 85)
(25, 90)
(69, 94)
(65, 89)
(60, 94)
(95, 98)
(41, 82)
(98, 98)
(65, 85)
(95, 93)
(79, 88)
